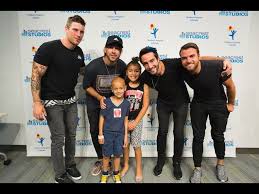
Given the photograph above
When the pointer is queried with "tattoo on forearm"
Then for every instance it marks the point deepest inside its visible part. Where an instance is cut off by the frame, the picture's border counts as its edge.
(37, 72)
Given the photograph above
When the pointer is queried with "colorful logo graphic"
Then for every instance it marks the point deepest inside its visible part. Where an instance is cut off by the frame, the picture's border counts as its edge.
(40, 139)
(232, 32)
(154, 30)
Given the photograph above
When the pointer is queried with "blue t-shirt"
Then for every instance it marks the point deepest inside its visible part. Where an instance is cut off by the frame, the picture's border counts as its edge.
(114, 115)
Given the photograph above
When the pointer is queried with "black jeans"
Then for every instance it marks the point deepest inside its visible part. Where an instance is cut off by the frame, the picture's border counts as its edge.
(93, 117)
(62, 122)
(179, 116)
(218, 116)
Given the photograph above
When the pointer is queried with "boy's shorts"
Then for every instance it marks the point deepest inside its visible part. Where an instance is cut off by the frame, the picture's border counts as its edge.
(113, 143)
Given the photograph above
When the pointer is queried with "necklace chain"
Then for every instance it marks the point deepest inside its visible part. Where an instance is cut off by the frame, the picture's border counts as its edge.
(154, 85)
(109, 71)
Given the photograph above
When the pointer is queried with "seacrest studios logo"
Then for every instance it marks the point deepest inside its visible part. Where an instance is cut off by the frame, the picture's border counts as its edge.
(233, 13)
(36, 33)
(35, 122)
(122, 34)
(235, 59)
(148, 142)
(153, 34)
(194, 16)
(155, 12)
(194, 35)
(40, 139)
(84, 142)
(228, 143)
(232, 36)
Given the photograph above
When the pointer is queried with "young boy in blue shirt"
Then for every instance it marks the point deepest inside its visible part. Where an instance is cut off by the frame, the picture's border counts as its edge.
(113, 124)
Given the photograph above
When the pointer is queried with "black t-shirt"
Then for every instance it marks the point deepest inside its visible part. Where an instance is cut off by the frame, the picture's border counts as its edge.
(170, 86)
(135, 97)
(99, 76)
(60, 79)
(207, 85)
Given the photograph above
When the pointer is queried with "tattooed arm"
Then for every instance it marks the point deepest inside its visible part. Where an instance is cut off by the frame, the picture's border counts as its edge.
(38, 71)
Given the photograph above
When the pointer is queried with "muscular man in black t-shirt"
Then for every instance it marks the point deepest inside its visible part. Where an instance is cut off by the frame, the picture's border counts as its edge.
(207, 80)
(166, 76)
(55, 69)
(97, 84)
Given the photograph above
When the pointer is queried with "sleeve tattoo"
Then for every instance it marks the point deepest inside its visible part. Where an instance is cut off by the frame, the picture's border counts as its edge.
(38, 71)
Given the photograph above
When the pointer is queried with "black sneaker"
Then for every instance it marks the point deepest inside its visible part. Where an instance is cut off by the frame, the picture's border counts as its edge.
(74, 172)
(177, 172)
(64, 179)
(158, 170)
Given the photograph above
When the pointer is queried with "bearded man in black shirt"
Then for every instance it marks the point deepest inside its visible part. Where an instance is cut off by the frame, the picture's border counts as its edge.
(166, 76)
(207, 80)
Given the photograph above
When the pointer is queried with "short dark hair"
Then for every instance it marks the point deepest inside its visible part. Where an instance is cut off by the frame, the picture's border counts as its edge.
(146, 50)
(189, 45)
(75, 18)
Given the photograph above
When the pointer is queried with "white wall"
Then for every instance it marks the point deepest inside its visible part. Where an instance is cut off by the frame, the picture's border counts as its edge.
(11, 98)
(249, 106)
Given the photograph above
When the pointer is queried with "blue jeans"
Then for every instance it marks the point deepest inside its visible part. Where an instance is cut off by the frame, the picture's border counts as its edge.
(62, 122)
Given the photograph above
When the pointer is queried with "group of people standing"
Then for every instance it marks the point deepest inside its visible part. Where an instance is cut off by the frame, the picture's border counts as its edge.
(117, 98)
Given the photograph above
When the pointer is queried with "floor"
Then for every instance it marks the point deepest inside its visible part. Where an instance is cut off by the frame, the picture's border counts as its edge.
(242, 169)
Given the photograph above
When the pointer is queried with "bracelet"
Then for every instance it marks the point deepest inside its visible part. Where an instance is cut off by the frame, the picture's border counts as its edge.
(100, 137)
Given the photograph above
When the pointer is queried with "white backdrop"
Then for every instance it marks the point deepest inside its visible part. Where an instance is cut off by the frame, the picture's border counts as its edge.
(217, 33)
